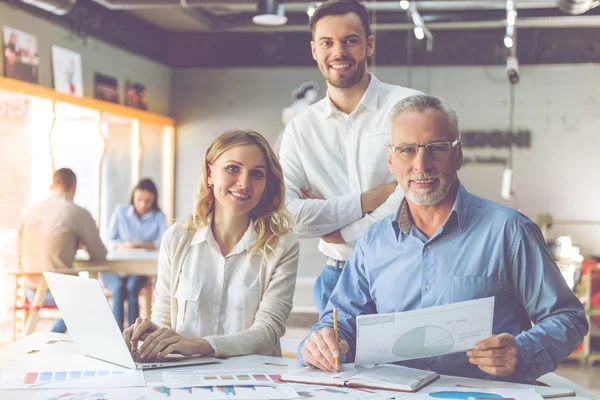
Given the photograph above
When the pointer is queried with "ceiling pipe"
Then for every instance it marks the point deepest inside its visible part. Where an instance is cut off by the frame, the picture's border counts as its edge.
(543, 22)
(57, 7)
(575, 7)
(301, 5)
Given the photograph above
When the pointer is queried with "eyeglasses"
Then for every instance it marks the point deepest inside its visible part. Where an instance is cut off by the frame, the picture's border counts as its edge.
(436, 150)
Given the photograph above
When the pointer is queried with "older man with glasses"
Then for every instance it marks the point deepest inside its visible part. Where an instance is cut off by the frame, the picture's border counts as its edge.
(446, 245)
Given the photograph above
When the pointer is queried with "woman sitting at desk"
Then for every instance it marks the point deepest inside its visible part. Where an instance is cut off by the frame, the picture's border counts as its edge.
(226, 276)
(138, 225)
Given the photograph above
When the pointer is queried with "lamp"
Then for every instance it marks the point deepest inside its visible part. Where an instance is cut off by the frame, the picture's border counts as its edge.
(57, 7)
(270, 13)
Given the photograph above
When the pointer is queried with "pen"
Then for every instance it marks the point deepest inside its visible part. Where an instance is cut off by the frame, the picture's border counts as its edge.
(275, 364)
(335, 331)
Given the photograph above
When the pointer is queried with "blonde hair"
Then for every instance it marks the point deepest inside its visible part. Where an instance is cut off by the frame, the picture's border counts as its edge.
(270, 218)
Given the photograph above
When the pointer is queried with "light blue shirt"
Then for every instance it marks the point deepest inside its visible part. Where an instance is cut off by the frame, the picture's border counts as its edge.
(126, 226)
(483, 249)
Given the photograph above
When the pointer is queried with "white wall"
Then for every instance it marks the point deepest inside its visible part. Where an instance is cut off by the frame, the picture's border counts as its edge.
(97, 56)
(558, 103)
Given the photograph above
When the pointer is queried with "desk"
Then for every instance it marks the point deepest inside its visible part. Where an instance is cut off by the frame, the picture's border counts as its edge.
(131, 262)
(16, 352)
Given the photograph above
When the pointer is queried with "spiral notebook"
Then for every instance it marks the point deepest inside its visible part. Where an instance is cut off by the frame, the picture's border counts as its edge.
(385, 377)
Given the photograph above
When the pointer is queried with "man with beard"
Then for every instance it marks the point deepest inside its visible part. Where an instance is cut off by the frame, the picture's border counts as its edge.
(332, 154)
(445, 245)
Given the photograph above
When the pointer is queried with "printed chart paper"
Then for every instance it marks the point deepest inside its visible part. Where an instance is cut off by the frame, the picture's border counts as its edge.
(77, 394)
(320, 392)
(71, 379)
(157, 391)
(178, 378)
(428, 332)
(453, 393)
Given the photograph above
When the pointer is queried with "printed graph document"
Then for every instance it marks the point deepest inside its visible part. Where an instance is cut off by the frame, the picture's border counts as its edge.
(428, 332)
(453, 393)
(387, 377)
(156, 391)
(178, 378)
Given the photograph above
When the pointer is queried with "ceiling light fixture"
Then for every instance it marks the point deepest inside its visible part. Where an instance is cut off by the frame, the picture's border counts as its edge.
(511, 19)
(420, 31)
(312, 7)
(404, 4)
(270, 13)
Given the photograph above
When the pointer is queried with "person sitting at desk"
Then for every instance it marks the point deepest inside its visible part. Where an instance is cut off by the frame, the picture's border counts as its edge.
(446, 245)
(227, 275)
(137, 225)
(50, 232)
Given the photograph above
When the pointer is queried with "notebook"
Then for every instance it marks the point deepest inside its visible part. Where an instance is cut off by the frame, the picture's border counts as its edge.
(385, 377)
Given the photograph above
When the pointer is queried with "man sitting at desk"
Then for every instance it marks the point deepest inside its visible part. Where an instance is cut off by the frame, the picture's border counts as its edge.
(50, 232)
(446, 245)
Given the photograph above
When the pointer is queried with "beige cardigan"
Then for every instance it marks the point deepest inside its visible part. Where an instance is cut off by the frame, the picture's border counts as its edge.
(277, 285)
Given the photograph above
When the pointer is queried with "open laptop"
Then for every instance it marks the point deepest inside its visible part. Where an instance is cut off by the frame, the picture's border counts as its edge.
(93, 327)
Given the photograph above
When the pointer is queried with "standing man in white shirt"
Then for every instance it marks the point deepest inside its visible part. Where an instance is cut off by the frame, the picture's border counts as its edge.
(333, 154)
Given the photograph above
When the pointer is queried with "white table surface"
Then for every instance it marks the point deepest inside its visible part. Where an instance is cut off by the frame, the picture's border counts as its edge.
(15, 354)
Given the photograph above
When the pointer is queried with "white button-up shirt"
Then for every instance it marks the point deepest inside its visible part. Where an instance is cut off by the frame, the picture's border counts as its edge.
(238, 302)
(339, 156)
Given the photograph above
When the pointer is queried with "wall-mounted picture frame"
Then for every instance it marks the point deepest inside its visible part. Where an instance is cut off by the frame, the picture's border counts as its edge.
(106, 88)
(67, 71)
(21, 56)
(135, 95)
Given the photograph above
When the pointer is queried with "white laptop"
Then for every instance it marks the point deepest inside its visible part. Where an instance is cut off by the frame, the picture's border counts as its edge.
(93, 328)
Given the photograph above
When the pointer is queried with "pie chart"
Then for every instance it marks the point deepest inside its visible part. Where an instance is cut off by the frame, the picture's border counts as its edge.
(423, 341)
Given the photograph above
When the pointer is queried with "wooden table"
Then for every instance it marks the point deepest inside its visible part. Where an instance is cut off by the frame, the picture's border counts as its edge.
(130, 262)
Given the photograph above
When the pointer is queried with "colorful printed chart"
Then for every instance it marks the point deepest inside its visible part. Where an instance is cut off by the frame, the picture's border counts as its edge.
(32, 378)
(179, 378)
(243, 392)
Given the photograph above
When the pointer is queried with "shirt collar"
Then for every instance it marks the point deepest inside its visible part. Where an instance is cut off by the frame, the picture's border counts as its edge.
(370, 99)
(404, 221)
(204, 234)
(59, 194)
(130, 212)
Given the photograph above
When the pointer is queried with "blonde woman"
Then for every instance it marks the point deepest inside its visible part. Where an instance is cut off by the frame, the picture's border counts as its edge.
(226, 276)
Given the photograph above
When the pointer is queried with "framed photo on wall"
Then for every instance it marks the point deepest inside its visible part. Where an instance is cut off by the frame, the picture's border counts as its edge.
(21, 57)
(67, 71)
(106, 88)
(135, 95)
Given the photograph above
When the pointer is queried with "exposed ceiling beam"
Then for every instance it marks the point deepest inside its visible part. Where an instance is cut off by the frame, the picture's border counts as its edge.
(301, 5)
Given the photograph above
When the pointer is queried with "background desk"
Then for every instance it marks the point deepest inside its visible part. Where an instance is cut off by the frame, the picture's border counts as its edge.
(15, 353)
(130, 262)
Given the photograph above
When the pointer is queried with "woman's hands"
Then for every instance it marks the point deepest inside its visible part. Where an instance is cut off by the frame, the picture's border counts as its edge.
(160, 342)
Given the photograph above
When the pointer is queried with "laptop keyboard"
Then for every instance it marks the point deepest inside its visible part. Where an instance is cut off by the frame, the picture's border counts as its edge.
(135, 354)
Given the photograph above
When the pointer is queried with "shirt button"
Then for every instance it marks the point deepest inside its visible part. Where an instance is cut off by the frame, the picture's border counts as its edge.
(219, 281)
(428, 286)
(429, 246)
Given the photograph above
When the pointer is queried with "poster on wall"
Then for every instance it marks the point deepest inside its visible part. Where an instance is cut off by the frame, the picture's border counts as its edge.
(67, 71)
(135, 95)
(106, 88)
(21, 58)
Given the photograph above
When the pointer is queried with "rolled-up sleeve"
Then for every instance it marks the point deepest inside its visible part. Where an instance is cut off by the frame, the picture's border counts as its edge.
(312, 217)
(354, 231)
(559, 317)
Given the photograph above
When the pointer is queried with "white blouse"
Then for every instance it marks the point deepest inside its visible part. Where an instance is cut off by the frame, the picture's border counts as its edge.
(239, 302)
